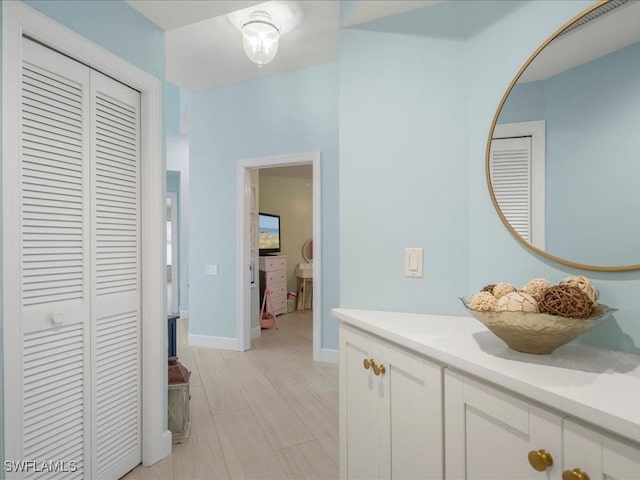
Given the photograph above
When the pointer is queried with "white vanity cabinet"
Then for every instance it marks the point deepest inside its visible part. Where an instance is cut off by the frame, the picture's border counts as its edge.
(452, 394)
(390, 411)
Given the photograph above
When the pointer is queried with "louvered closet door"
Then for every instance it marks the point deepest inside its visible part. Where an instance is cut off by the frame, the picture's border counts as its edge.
(77, 250)
(55, 262)
(511, 181)
(115, 289)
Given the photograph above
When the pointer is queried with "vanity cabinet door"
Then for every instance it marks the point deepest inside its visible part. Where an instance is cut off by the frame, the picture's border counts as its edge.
(490, 434)
(362, 442)
(390, 411)
(414, 416)
(598, 455)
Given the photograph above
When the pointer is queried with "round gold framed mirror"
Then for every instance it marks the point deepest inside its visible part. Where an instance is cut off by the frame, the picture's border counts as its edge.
(563, 154)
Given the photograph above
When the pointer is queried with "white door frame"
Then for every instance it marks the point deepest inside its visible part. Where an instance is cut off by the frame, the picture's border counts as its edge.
(175, 262)
(243, 248)
(18, 20)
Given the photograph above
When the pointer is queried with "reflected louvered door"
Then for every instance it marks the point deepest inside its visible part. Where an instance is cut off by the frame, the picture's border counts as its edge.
(116, 277)
(511, 181)
(55, 262)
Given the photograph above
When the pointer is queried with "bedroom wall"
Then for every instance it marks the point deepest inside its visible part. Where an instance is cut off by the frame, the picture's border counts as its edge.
(292, 199)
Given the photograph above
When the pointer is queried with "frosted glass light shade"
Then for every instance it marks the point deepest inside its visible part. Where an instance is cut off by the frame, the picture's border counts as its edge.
(260, 38)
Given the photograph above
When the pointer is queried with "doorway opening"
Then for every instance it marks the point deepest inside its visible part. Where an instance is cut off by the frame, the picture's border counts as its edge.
(173, 283)
(249, 261)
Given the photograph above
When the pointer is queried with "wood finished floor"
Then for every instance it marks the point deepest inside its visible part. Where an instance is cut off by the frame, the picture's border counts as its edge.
(269, 413)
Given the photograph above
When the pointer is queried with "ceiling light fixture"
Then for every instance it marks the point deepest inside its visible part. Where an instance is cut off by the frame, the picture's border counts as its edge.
(260, 38)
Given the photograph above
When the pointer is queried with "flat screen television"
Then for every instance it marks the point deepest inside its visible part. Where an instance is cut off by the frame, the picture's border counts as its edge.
(268, 233)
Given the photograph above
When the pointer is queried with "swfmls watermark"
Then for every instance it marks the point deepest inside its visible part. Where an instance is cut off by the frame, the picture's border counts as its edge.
(33, 466)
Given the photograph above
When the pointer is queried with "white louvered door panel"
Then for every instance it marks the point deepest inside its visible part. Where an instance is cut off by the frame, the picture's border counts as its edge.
(116, 440)
(54, 261)
(511, 181)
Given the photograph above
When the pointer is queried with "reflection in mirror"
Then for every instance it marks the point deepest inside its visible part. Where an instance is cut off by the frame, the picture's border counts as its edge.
(564, 163)
(307, 251)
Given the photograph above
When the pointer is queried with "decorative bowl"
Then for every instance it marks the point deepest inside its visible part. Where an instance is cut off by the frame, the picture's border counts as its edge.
(537, 333)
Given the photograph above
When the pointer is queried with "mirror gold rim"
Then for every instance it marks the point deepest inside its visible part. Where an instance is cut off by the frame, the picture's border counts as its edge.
(506, 223)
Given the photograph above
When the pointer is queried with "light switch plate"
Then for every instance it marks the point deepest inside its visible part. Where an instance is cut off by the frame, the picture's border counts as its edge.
(413, 262)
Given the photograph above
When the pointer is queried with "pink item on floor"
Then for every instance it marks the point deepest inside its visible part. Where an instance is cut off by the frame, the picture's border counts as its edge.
(267, 317)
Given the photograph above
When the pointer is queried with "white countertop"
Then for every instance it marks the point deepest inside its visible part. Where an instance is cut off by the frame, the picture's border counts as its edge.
(593, 384)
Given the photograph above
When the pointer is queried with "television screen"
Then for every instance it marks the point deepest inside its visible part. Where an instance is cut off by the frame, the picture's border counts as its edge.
(268, 233)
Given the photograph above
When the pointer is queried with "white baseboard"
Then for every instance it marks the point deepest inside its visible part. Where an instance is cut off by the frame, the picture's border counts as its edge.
(225, 343)
(256, 332)
(329, 355)
(184, 313)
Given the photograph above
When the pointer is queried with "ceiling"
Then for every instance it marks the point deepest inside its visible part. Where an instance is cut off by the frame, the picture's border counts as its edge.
(204, 42)
(586, 43)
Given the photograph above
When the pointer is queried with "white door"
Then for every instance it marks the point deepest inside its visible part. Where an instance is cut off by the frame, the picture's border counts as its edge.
(414, 406)
(115, 273)
(361, 393)
(52, 261)
(76, 266)
(489, 434)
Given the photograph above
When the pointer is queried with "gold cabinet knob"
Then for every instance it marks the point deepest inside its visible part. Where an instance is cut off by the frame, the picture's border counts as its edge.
(379, 370)
(368, 363)
(540, 460)
(575, 474)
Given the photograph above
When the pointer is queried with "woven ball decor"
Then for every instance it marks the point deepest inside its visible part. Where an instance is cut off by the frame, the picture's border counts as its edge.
(584, 284)
(538, 317)
(565, 301)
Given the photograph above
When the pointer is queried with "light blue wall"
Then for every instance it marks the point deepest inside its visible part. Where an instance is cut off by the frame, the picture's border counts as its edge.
(494, 58)
(279, 115)
(592, 113)
(403, 173)
(119, 28)
(526, 103)
(415, 115)
(114, 25)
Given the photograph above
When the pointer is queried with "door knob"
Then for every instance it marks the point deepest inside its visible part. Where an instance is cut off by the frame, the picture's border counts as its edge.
(368, 363)
(57, 319)
(540, 460)
(378, 370)
(575, 474)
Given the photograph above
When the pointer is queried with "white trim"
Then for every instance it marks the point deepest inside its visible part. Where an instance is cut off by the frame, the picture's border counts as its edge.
(256, 332)
(535, 130)
(19, 19)
(243, 256)
(329, 355)
(208, 341)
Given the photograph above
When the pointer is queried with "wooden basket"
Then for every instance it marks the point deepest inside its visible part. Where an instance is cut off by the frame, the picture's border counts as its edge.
(538, 333)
